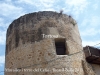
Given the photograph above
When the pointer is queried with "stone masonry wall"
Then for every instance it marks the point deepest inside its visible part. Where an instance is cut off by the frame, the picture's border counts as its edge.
(27, 49)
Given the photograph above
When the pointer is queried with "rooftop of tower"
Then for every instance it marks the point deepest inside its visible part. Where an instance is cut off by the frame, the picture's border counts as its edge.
(38, 16)
(35, 17)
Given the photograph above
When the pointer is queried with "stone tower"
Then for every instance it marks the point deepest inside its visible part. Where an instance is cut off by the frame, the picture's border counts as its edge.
(44, 43)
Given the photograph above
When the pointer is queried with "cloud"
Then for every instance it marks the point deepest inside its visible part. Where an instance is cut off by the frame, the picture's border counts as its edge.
(14, 9)
(95, 6)
(2, 37)
(74, 6)
(8, 0)
(39, 4)
(90, 25)
(2, 60)
(3, 24)
(47, 3)
(78, 6)
(90, 43)
(10, 10)
(91, 21)
(26, 1)
(95, 21)
(90, 32)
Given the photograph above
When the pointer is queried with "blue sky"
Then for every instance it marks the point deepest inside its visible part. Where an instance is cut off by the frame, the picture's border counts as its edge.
(85, 12)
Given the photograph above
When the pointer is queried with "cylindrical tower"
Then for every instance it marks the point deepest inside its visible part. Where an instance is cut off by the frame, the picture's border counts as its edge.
(44, 43)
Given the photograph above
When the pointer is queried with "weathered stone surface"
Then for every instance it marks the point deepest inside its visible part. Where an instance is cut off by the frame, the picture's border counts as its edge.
(27, 49)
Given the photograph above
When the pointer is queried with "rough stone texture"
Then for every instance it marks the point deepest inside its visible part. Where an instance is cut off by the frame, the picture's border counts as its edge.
(27, 49)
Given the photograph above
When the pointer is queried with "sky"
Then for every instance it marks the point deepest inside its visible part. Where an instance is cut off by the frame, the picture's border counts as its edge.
(85, 12)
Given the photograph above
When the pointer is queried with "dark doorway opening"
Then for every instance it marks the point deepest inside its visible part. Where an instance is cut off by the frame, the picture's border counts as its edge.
(60, 45)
